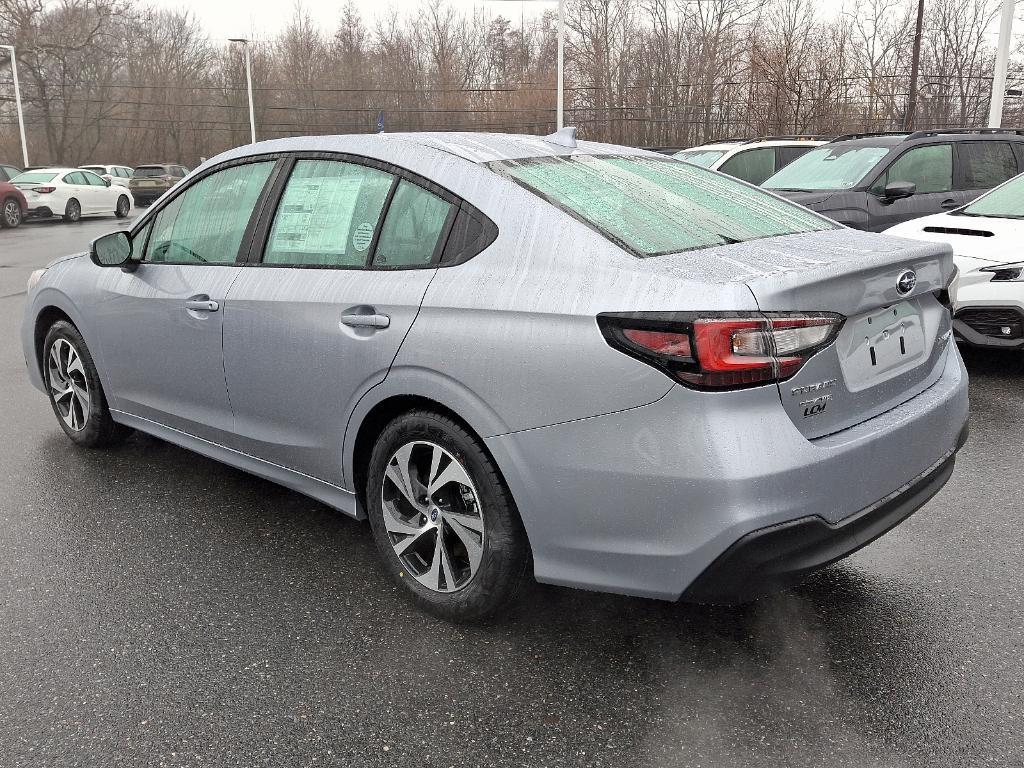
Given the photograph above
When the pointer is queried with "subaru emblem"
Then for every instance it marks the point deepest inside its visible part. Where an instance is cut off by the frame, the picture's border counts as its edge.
(906, 281)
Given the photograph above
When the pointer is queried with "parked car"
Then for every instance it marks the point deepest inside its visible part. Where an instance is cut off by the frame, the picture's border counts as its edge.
(752, 160)
(874, 181)
(72, 194)
(8, 172)
(148, 182)
(622, 371)
(988, 292)
(115, 174)
(13, 207)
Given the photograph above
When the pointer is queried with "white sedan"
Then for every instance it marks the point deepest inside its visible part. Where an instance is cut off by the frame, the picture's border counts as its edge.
(988, 293)
(71, 193)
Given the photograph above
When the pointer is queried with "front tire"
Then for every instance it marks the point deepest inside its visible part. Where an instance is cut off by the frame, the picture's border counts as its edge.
(123, 207)
(75, 392)
(444, 522)
(72, 211)
(10, 215)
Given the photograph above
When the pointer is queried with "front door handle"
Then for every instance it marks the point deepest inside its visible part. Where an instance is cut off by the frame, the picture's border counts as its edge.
(202, 305)
(947, 204)
(366, 321)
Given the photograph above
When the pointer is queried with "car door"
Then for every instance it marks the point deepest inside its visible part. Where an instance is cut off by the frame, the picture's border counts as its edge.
(983, 165)
(344, 265)
(930, 168)
(160, 325)
(77, 188)
(100, 197)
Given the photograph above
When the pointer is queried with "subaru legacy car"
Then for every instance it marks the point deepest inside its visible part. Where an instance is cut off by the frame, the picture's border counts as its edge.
(875, 181)
(521, 357)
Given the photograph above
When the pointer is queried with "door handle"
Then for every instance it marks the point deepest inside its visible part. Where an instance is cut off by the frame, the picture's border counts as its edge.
(366, 321)
(947, 204)
(202, 305)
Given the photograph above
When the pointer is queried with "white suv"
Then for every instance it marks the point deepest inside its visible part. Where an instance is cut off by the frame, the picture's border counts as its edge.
(751, 160)
(115, 174)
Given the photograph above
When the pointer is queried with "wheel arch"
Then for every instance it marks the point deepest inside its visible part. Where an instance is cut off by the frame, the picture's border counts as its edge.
(45, 319)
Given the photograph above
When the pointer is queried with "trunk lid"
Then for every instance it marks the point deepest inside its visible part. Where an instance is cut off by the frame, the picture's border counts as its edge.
(891, 345)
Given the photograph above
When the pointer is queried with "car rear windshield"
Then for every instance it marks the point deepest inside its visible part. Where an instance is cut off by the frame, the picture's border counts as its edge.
(149, 170)
(33, 178)
(653, 206)
(94, 168)
(702, 157)
(828, 167)
(1005, 202)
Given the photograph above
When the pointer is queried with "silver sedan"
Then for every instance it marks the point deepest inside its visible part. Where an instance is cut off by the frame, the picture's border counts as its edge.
(521, 357)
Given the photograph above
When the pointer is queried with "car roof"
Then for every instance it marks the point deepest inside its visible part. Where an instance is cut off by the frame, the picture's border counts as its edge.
(53, 170)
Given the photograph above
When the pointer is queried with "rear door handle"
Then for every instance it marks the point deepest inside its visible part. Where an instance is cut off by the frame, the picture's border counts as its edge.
(202, 305)
(366, 321)
(947, 204)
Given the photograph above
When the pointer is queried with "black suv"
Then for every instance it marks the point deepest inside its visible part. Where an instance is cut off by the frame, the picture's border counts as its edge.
(874, 181)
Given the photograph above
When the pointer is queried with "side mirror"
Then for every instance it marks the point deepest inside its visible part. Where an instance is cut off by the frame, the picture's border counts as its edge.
(113, 250)
(106, 180)
(897, 190)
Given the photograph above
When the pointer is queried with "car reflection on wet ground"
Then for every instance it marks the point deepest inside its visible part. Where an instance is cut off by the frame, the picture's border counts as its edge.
(160, 608)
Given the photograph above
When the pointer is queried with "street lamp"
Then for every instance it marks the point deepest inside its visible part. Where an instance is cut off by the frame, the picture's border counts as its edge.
(248, 81)
(560, 122)
(17, 100)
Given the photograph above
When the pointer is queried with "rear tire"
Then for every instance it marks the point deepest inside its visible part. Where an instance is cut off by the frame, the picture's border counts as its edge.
(123, 206)
(72, 211)
(453, 540)
(75, 392)
(11, 215)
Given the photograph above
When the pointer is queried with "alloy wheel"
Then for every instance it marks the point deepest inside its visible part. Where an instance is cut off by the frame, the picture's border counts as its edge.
(122, 207)
(69, 386)
(12, 213)
(433, 517)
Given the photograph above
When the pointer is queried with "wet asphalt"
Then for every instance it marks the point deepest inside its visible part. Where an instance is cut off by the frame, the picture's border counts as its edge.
(159, 609)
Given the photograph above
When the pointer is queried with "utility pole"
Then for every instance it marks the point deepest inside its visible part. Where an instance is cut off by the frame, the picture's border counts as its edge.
(915, 64)
(17, 101)
(248, 83)
(995, 110)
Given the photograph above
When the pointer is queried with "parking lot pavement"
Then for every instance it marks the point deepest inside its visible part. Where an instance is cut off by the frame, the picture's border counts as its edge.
(160, 609)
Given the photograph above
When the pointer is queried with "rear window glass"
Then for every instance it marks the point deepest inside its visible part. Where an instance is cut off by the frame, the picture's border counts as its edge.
(654, 206)
(149, 170)
(95, 169)
(33, 178)
(829, 167)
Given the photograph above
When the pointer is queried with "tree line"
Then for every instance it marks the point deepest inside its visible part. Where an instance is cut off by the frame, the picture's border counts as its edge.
(108, 81)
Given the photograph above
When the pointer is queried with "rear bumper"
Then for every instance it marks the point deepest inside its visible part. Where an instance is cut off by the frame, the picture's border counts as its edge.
(776, 556)
(644, 501)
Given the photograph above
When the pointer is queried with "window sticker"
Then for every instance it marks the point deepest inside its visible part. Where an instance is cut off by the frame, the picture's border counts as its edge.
(317, 214)
(363, 236)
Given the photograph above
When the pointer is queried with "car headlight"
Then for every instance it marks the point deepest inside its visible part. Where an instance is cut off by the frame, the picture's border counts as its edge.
(1005, 273)
(35, 277)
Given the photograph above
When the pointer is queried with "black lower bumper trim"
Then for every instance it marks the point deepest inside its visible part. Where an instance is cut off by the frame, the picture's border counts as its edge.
(967, 335)
(774, 557)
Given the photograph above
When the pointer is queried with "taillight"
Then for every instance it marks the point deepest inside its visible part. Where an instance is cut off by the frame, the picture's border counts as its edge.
(44, 190)
(722, 350)
(168, 179)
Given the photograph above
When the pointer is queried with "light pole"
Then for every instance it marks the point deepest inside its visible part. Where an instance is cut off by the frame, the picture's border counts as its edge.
(248, 82)
(915, 63)
(17, 101)
(995, 110)
(560, 110)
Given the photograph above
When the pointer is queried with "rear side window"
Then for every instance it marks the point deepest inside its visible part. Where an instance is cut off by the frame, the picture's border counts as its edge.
(751, 165)
(786, 155)
(986, 164)
(412, 230)
(653, 206)
(206, 223)
(327, 215)
(929, 167)
(76, 178)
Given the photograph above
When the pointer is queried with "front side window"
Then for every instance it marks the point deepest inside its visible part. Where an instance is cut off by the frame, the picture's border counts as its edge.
(93, 180)
(930, 168)
(413, 227)
(1005, 202)
(751, 165)
(653, 206)
(206, 223)
(828, 167)
(986, 164)
(328, 214)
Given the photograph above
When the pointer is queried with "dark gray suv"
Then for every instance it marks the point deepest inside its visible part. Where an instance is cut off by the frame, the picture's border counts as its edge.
(875, 181)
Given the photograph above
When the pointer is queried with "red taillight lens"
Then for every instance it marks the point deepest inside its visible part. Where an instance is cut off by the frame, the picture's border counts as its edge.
(44, 190)
(711, 351)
